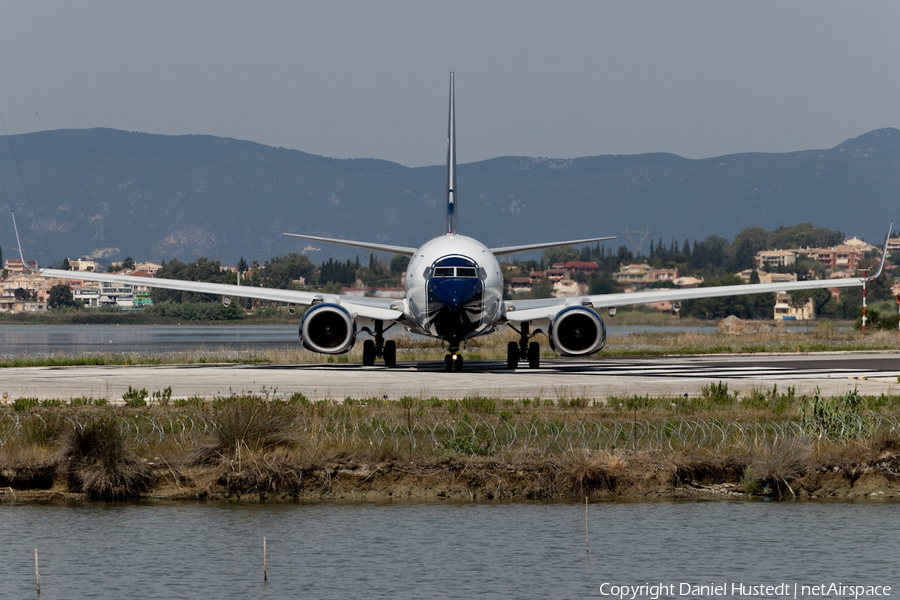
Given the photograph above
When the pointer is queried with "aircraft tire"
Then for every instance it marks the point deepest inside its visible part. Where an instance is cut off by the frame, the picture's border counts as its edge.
(512, 355)
(390, 353)
(459, 362)
(534, 355)
(368, 353)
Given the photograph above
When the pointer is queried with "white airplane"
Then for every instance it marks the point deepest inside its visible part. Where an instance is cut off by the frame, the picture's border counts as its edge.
(454, 292)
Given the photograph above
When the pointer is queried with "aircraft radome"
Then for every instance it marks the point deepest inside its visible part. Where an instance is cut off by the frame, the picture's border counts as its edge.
(454, 292)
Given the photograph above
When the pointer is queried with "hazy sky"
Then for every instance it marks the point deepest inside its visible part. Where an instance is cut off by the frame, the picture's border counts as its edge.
(369, 79)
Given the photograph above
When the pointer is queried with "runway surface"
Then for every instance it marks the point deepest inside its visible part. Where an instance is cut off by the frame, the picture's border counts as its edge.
(832, 373)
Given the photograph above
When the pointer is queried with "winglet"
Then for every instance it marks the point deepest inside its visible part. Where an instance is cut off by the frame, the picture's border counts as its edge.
(450, 221)
(883, 254)
(18, 243)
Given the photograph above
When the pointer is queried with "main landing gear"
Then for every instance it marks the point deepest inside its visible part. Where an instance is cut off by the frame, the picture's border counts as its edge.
(379, 347)
(523, 350)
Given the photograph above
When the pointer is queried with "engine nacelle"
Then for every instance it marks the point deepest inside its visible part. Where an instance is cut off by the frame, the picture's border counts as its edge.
(577, 331)
(328, 329)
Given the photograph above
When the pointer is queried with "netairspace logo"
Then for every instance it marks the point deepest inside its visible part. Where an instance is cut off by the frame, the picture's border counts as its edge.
(653, 591)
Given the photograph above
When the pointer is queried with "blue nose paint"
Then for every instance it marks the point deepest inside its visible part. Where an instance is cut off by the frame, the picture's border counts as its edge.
(454, 292)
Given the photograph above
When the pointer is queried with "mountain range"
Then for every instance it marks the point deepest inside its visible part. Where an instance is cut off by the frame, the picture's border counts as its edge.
(108, 194)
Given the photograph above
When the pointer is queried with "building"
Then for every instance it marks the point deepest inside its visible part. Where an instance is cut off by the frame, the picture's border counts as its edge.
(635, 274)
(837, 257)
(767, 277)
(14, 265)
(567, 288)
(520, 284)
(859, 244)
(148, 267)
(687, 282)
(665, 275)
(775, 258)
(82, 264)
(89, 296)
(785, 312)
(578, 266)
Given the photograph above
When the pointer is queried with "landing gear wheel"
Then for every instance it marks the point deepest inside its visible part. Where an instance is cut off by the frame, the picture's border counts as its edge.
(534, 355)
(368, 353)
(512, 355)
(448, 363)
(390, 353)
(458, 363)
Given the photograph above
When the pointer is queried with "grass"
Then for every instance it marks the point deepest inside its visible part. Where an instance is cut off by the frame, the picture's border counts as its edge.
(265, 444)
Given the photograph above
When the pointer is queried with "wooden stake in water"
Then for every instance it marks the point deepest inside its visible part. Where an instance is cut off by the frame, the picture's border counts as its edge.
(265, 572)
(587, 545)
(37, 574)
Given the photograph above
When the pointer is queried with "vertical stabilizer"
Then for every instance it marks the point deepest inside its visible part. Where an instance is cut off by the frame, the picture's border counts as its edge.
(450, 224)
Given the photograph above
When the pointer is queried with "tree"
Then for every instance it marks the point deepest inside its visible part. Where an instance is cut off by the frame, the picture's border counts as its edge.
(242, 265)
(66, 266)
(128, 263)
(61, 296)
(22, 294)
(542, 289)
(559, 254)
(399, 264)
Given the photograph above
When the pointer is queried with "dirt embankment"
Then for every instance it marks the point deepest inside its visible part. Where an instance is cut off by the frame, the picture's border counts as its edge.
(475, 480)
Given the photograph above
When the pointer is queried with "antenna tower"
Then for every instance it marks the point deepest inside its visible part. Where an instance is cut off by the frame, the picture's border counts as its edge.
(631, 235)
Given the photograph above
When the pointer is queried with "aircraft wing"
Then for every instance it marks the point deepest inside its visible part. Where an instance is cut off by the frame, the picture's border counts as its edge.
(519, 311)
(368, 308)
(510, 249)
(546, 308)
(369, 245)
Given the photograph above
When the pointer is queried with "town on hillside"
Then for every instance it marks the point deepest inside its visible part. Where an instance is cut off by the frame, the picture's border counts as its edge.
(752, 257)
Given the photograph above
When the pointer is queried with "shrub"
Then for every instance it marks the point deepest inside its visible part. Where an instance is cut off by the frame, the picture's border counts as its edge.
(23, 404)
(135, 398)
(717, 393)
(192, 401)
(162, 397)
(248, 422)
(100, 460)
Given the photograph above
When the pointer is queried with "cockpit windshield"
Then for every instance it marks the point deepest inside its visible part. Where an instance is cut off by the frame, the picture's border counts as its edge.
(453, 266)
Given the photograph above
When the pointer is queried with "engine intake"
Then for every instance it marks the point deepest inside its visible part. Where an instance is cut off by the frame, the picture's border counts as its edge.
(327, 329)
(577, 331)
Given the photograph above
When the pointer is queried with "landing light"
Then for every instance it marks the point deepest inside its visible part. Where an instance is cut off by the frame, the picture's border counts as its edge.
(454, 357)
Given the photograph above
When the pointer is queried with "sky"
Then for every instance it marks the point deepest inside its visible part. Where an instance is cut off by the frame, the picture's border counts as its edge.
(370, 79)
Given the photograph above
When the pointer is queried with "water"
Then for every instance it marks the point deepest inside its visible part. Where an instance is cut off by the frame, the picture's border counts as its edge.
(73, 339)
(435, 550)
(17, 339)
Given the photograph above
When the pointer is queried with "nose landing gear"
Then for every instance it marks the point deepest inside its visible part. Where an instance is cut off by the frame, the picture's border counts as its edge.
(453, 362)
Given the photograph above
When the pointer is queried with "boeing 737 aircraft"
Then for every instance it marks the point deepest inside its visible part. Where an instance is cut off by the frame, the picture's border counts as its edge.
(454, 292)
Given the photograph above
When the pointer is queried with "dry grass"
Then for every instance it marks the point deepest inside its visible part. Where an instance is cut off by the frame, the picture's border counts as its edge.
(561, 444)
(100, 460)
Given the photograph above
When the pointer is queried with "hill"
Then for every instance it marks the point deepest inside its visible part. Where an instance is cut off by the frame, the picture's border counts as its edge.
(110, 193)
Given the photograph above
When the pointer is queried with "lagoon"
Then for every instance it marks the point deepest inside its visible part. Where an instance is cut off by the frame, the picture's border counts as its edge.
(438, 550)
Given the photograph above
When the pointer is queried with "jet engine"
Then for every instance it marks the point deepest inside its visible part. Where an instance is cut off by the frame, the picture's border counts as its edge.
(328, 329)
(577, 331)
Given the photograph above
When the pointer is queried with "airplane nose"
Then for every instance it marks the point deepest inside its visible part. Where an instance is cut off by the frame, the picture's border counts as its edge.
(454, 292)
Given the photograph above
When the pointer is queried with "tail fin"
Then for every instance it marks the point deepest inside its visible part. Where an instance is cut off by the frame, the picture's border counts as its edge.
(450, 222)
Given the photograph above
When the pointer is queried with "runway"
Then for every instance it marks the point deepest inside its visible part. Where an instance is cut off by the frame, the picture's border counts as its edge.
(832, 373)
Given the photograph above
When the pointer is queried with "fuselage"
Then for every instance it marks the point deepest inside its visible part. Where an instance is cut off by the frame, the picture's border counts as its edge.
(454, 289)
